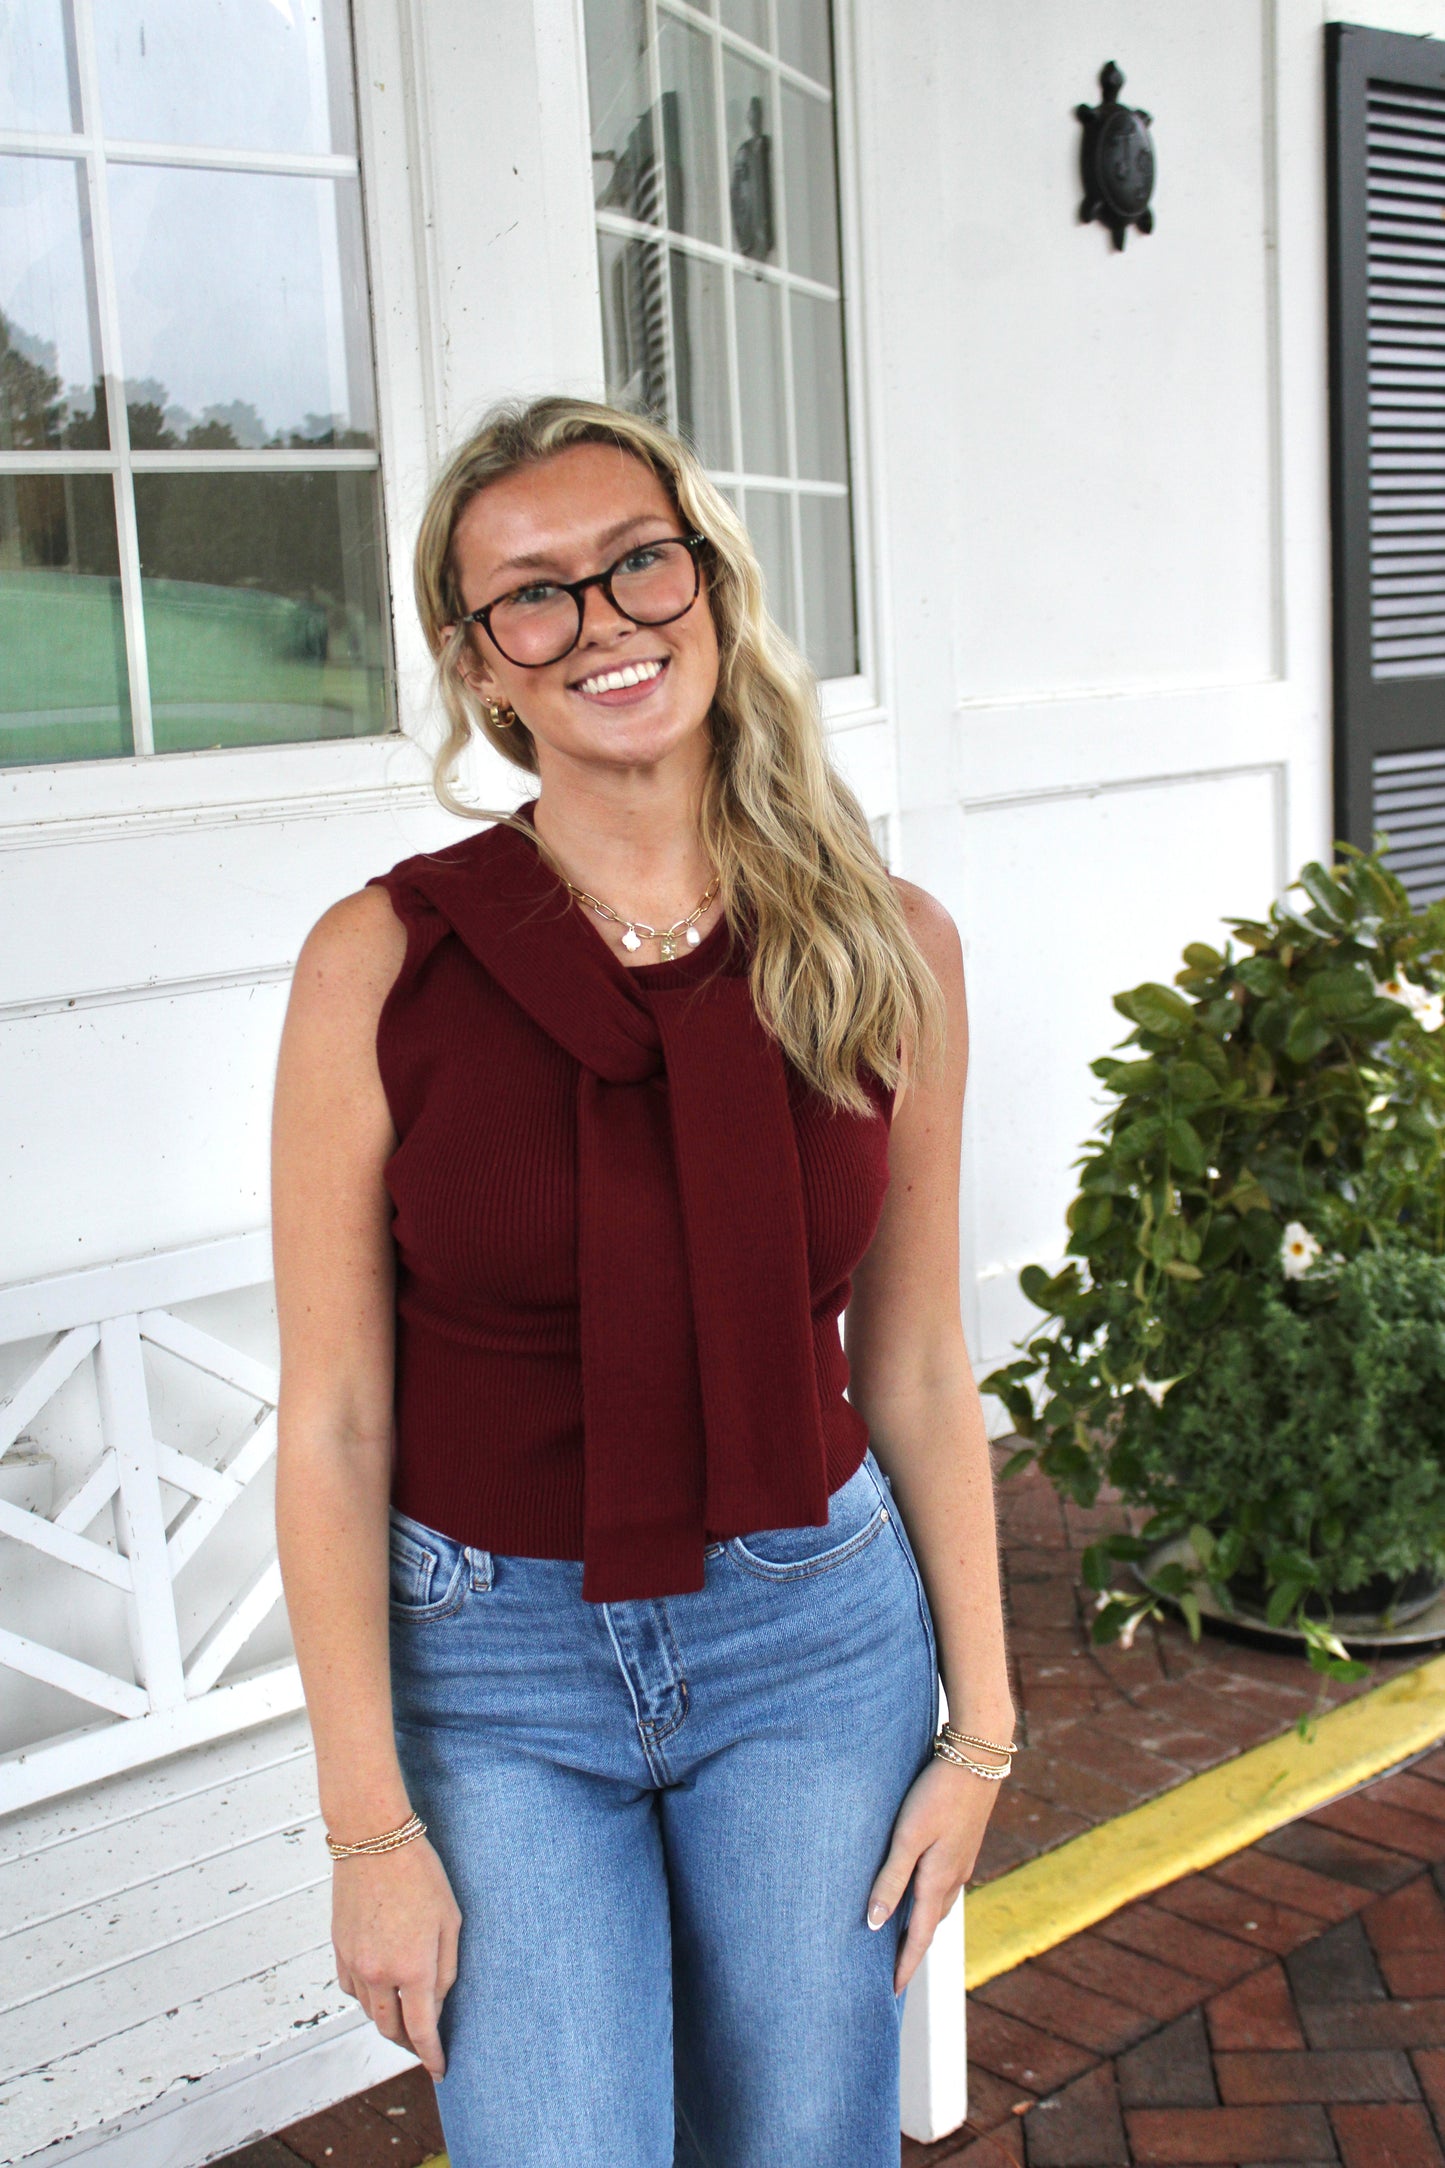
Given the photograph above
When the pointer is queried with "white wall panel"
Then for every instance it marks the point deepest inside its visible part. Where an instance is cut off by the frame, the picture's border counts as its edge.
(1115, 406)
(1071, 899)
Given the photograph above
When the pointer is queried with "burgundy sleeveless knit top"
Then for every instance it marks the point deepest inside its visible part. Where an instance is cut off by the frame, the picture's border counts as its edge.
(625, 1229)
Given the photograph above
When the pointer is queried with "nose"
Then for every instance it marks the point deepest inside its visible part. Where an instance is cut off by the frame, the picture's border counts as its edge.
(599, 616)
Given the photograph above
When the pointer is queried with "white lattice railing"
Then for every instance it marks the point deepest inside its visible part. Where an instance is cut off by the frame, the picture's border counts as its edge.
(167, 1697)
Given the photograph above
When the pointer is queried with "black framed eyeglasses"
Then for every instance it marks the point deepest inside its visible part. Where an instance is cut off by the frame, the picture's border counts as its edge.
(652, 583)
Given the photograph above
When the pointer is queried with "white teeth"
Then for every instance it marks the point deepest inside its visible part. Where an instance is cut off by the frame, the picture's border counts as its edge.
(608, 681)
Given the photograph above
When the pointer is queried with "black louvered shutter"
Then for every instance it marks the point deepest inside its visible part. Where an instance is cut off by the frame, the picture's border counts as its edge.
(1387, 395)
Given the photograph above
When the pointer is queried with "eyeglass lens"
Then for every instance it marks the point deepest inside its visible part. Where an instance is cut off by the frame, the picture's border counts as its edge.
(651, 585)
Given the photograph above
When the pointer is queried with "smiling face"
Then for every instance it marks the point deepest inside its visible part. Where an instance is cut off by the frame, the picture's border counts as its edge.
(626, 696)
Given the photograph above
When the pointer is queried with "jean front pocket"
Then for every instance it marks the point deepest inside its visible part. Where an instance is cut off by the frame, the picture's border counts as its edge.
(856, 1513)
(428, 1572)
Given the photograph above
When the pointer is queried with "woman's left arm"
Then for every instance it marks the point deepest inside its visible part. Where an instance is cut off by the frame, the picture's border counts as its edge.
(912, 1383)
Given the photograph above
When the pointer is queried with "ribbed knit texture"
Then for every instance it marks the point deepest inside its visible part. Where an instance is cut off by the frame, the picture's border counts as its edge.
(496, 1240)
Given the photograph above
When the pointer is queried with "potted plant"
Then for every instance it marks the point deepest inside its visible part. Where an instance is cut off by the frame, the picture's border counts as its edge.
(1248, 1339)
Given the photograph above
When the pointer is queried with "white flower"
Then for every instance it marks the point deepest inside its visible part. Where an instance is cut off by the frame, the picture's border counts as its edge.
(1131, 1627)
(1156, 1388)
(1298, 1250)
(1427, 1008)
(1377, 1105)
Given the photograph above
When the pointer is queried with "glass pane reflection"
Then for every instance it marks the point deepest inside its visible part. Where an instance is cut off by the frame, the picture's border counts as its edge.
(768, 516)
(812, 186)
(828, 603)
(37, 71)
(758, 302)
(64, 694)
(804, 39)
(818, 363)
(243, 308)
(616, 95)
(700, 344)
(264, 607)
(266, 77)
(689, 130)
(634, 321)
(51, 392)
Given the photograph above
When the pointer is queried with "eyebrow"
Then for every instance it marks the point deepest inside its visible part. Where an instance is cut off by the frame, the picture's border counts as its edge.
(545, 562)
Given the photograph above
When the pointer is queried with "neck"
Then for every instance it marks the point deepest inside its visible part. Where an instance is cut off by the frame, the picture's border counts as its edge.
(630, 840)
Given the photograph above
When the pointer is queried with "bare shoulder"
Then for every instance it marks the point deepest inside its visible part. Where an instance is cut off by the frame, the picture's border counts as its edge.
(352, 954)
(932, 927)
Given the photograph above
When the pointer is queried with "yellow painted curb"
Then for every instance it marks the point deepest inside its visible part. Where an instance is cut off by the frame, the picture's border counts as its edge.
(1204, 1819)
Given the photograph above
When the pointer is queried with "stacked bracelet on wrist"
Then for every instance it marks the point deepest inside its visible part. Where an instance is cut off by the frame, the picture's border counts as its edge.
(949, 1745)
(388, 1841)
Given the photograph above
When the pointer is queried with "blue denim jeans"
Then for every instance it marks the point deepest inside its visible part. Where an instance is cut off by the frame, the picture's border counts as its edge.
(661, 1820)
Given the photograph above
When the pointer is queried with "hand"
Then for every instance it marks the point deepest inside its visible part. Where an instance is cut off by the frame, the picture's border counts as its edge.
(936, 1837)
(394, 1929)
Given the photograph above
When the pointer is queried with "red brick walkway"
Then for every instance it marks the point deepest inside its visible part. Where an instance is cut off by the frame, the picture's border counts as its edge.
(1289, 2005)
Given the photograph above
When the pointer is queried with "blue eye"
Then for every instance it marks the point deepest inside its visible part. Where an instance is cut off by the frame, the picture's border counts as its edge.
(642, 559)
(537, 596)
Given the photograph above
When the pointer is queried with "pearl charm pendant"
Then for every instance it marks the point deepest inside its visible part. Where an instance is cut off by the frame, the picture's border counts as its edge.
(693, 937)
(632, 939)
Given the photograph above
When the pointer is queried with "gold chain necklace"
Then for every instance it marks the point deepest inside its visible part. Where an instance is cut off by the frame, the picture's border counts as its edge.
(637, 930)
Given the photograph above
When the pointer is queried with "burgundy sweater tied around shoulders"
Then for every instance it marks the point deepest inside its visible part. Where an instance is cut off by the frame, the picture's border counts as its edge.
(625, 1229)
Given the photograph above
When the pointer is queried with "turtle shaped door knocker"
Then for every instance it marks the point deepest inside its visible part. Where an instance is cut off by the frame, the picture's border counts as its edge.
(1117, 159)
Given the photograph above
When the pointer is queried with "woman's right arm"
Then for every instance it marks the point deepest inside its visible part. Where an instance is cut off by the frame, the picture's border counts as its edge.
(394, 1920)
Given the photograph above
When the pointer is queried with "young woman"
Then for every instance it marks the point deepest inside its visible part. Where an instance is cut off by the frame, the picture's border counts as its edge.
(621, 1640)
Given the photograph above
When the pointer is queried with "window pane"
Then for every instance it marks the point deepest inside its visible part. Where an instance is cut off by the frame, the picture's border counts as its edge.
(749, 18)
(617, 95)
(270, 75)
(747, 108)
(828, 607)
(818, 363)
(263, 607)
(769, 518)
(63, 690)
(50, 385)
(758, 302)
(803, 37)
(634, 321)
(812, 186)
(243, 308)
(689, 130)
(37, 84)
(700, 344)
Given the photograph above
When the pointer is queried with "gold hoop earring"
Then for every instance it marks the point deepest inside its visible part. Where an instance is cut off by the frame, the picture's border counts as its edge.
(501, 715)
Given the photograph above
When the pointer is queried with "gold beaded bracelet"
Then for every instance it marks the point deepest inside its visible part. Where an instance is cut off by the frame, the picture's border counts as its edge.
(971, 1738)
(389, 1841)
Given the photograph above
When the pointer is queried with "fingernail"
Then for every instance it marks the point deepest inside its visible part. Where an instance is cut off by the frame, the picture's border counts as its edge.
(877, 1912)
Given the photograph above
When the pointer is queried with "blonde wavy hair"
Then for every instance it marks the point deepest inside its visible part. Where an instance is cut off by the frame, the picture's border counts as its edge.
(835, 972)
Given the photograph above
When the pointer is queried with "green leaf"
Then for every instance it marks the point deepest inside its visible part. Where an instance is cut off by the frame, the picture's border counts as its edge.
(1159, 1009)
(1189, 1605)
(1096, 1567)
(1307, 1036)
(1201, 957)
(1342, 993)
(1017, 1462)
(1140, 1137)
(1191, 1080)
(1324, 893)
(1283, 1600)
(1201, 1542)
(1132, 1077)
(1186, 1146)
